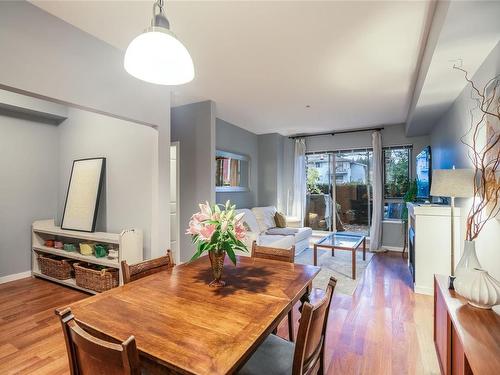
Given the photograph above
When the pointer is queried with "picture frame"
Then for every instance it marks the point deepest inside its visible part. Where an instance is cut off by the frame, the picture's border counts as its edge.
(82, 196)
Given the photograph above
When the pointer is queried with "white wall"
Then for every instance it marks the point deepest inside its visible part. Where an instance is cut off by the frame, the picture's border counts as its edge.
(447, 150)
(130, 150)
(29, 177)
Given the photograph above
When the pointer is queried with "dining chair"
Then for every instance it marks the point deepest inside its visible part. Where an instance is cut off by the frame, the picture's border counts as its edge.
(89, 355)
(276, 356)
(137, 271)
(284, 255)
(273, 253)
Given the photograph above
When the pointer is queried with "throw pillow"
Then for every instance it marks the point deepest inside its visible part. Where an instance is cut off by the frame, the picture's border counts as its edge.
(265, 217)
(280, 220)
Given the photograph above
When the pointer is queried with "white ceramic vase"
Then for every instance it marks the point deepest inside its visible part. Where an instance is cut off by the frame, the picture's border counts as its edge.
(469, 260)
(478, 288)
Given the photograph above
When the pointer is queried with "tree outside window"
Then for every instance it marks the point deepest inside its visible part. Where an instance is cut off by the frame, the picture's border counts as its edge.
(397, 172)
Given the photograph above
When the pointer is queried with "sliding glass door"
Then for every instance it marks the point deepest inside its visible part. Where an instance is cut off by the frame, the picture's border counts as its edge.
(319, 200)
(343, 177)
(353, 191)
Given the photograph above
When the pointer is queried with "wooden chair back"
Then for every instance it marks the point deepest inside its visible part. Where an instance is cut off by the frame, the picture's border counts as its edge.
(148, 267)
(309, 348)
(273, 253)
(89, 355)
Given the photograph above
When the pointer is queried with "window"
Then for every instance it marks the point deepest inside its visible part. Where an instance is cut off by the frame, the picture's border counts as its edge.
(393, 211)
(231, 172)
(396, 171)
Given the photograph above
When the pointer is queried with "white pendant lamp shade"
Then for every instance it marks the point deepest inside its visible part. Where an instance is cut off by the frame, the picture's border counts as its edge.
(157, 56)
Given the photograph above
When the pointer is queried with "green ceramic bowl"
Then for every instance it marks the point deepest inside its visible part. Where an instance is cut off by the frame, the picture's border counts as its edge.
(100, 250)
(69, 247)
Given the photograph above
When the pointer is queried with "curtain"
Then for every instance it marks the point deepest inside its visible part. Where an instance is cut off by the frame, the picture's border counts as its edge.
(376, 227)
(299, 180)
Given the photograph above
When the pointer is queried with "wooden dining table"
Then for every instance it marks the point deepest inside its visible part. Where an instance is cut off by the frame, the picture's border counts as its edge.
(183, 326)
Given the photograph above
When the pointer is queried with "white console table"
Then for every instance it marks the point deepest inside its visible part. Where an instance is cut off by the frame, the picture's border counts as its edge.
(429, 243)
(128, 243)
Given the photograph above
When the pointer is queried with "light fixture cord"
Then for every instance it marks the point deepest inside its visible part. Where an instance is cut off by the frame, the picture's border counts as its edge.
(160, 5)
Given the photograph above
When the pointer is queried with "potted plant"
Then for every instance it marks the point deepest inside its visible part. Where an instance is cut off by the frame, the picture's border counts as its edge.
(218, 230)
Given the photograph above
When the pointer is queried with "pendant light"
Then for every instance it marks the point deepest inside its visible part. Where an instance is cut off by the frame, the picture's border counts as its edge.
(157, 56)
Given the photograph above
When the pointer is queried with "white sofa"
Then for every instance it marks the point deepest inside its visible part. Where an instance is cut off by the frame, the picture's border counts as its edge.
(260, 221)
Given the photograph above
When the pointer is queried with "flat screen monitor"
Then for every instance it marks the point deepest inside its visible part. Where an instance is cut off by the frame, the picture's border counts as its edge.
(424, 173)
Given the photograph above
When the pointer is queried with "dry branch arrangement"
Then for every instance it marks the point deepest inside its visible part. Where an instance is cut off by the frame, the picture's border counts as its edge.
(485, 118)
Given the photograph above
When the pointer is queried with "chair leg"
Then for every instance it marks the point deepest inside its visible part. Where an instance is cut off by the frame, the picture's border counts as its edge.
(321, 369)
(290, 325)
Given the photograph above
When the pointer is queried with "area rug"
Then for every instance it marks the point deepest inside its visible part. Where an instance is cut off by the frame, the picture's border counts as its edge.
(338, 266)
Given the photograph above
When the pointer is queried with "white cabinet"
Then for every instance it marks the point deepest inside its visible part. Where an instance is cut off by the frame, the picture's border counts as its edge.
(129, 244)
(429, 243)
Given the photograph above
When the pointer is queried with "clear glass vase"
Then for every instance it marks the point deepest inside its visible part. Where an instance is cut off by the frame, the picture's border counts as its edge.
(468, 261)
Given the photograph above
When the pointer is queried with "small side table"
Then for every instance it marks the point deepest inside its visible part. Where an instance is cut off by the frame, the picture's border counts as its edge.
(341, 241)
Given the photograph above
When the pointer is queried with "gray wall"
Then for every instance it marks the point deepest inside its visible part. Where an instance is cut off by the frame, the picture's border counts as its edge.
(271, 166)
(127, 199)
(193, 126)
(392, 234)
(269, 155)
(231, 138)
(276, 153)
(46, 57)
(28, 186)
(447, 151)
(35, 164)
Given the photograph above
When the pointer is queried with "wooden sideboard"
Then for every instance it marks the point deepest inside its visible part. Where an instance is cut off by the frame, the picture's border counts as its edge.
(467, 339)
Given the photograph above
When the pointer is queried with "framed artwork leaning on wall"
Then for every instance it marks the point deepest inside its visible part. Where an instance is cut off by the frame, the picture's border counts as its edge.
(82, 197)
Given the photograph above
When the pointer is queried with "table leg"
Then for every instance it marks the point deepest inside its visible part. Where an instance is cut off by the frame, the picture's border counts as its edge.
(333, 251)
(290, 325)
(315, 260)
(354, 264)
(364, 248)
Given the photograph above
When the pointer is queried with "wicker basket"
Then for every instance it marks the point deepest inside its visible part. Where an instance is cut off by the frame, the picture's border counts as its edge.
(54, 266)
(89, 277)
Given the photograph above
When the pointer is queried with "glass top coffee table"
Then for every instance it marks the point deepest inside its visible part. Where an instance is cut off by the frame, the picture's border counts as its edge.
(342, 241)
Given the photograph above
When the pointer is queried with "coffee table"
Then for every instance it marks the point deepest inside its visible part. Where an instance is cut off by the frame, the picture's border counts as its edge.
(342, 241)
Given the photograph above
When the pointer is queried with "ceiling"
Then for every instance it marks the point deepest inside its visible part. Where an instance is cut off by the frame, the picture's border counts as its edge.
(468, 32)
(354, 63)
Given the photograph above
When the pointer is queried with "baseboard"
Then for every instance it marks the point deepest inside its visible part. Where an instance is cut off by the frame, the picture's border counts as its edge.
(424, 290)
(393, 248)
(14, 277)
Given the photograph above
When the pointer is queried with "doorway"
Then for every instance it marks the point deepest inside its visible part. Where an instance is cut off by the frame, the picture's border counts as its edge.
(174, 201)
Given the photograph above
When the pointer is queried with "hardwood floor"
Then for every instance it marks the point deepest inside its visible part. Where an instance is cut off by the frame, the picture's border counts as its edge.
(31, 340)
(384, 328)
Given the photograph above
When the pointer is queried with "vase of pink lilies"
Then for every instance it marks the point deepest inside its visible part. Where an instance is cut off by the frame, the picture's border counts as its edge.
(217, 230)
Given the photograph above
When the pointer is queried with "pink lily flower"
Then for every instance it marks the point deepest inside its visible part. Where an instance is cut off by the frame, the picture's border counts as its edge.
(207, 232)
